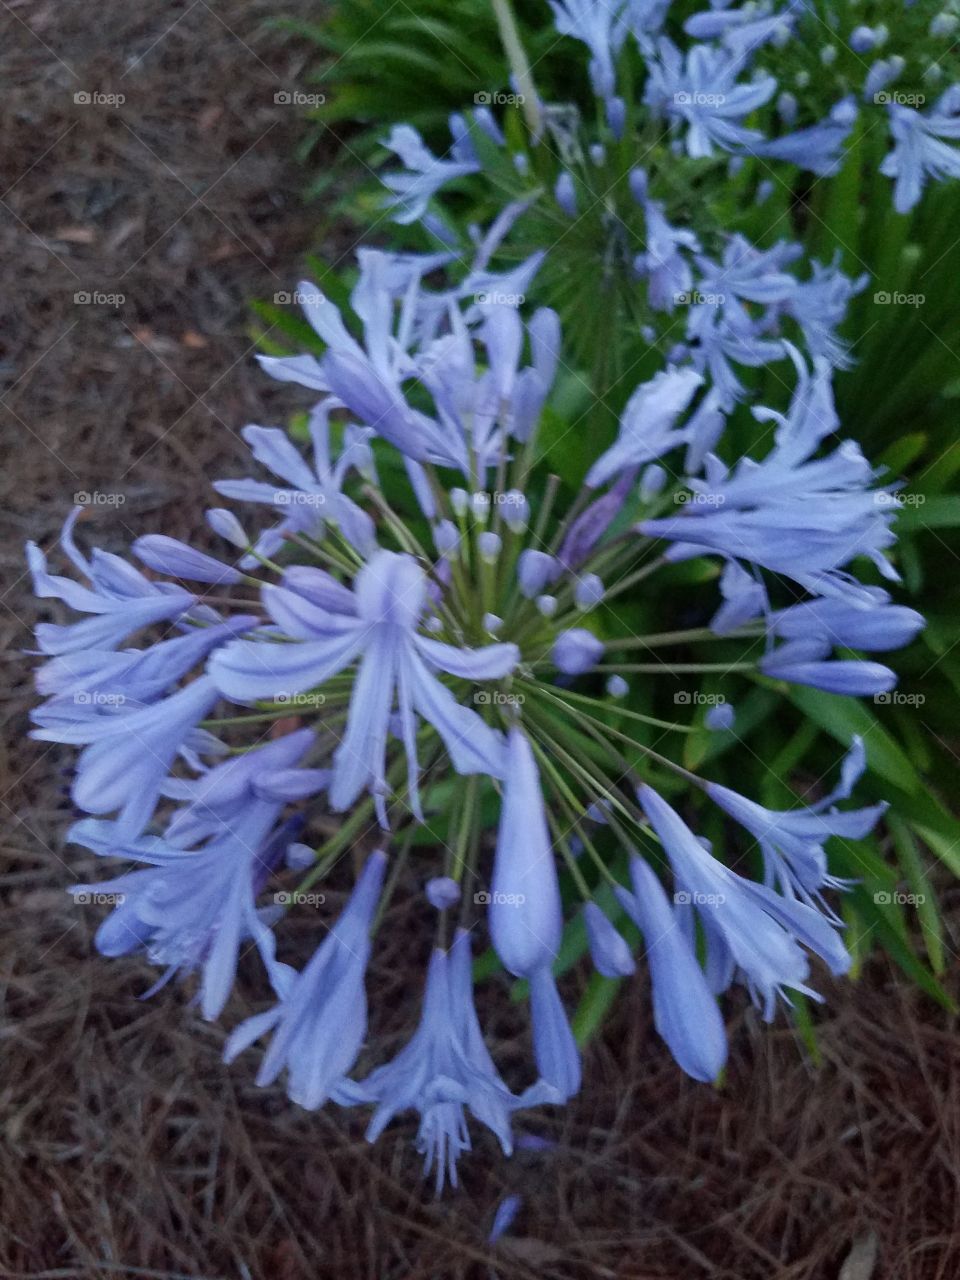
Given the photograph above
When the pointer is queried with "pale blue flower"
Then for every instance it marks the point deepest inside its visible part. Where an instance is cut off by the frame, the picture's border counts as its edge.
(648, 424)
(445, 1071)
(192, 910)
(867, 622)
(525, 915)
(179, 560)
(576, 651)
(608, 949)
(808, 662)
(818, 148)
(602, 26)
(320, 1019)
(554, 1047)
(701, 91)
(685, 1012)
(919, 147)
(762, 930)
(398, 664)
(503, 1219)
(129, 752)
(119, 597)
(309, 497)
(792, 841)
(132, 677)
(423, 173)
(791, 513)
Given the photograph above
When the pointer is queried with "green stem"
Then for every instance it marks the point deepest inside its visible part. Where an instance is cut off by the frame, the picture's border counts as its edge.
(519, 64)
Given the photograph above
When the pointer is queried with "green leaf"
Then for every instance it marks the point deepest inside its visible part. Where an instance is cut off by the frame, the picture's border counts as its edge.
(843, 718)
(929, 513)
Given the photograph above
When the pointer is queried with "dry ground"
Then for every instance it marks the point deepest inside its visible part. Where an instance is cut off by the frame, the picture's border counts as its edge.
(126, 1148)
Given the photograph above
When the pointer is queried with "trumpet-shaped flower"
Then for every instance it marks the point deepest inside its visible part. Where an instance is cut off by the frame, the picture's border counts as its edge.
(920, 147)
(446, 1071)
(320, 1019)
(192, 909)
(397, 664)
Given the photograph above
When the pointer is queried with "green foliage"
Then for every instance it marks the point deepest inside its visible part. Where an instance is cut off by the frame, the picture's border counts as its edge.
(381, 64)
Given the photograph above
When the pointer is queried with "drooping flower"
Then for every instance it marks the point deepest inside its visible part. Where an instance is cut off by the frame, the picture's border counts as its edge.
(128, 752)
(446, 1070)
(920, 147)
(763, 931)
(792, 841)
(120, 598)
(526, 919)
(193, 908)
(701, 91)
(685, 1013)
(320, 1019)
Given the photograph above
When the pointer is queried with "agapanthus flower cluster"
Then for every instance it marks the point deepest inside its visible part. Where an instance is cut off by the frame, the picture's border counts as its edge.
(628, 211)
(431, 638)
